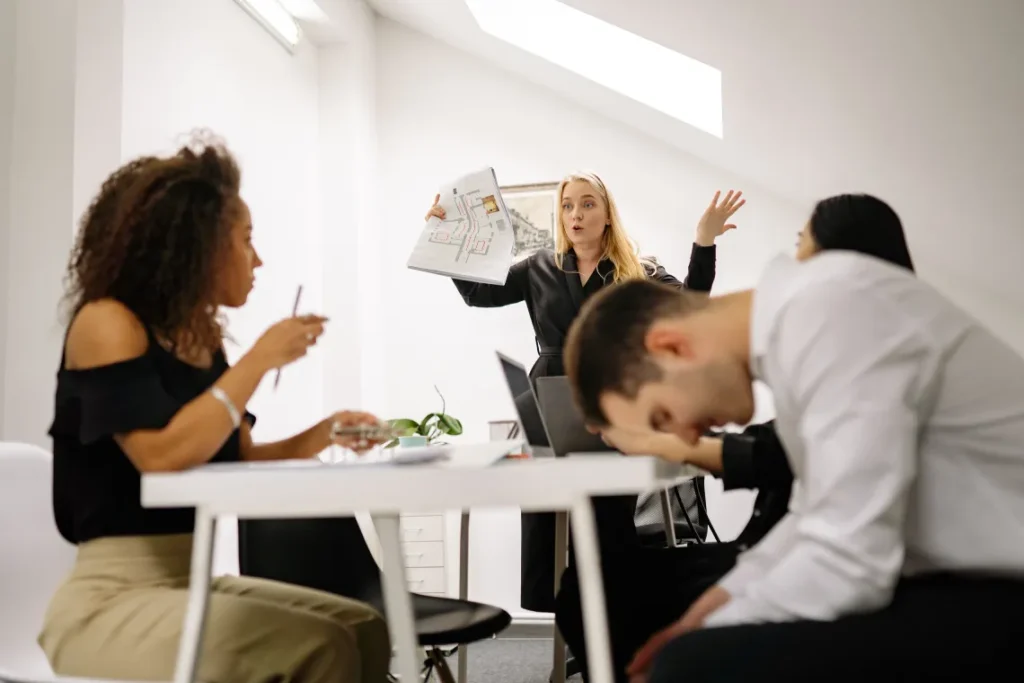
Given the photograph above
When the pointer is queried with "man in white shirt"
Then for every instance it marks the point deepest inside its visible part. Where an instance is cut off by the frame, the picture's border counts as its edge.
(903, 420)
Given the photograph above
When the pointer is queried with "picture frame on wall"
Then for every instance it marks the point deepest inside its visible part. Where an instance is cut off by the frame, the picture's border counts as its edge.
(533, 209)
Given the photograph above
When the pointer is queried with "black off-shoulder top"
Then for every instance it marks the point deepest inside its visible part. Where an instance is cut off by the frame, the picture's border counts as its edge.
(95, 486)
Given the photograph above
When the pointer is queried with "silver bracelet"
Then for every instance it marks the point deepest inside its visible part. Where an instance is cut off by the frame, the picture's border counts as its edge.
(220, 395)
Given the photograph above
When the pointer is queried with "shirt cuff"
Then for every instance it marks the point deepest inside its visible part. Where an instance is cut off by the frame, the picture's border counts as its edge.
(737, 462)
(732, 613)
(737, 579)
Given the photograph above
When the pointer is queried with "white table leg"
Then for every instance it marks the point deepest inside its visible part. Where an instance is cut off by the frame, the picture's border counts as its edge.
(397, 601)
(561, 560)
(588, 567)
(464, 590)
(186, 667)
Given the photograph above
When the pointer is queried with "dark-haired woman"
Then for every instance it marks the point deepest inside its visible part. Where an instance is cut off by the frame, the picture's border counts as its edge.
(663, 583)
(144, 386)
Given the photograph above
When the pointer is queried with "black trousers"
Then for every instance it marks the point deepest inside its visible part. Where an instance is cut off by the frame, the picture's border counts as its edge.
(646, 589)
(616, 532)
(939, 628)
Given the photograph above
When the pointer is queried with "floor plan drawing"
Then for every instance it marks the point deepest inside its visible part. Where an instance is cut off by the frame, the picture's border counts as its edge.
(471, 231)
(475, 241)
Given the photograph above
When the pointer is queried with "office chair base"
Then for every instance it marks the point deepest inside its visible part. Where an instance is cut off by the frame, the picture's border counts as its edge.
(572, 668)
(439, 662)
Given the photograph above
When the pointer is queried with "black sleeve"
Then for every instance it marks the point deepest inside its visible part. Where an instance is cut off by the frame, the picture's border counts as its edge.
(122, 397)
(701, 273)
(492, 296)
(755, 459)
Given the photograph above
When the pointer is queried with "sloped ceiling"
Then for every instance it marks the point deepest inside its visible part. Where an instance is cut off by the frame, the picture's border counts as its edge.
(918, 101)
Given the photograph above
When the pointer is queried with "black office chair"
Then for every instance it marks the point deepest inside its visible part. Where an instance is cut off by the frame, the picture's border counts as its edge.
(330, 554)
(688, 513)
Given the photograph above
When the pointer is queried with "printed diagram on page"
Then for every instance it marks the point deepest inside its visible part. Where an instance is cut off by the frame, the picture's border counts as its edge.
(474, 241)
(470, 231)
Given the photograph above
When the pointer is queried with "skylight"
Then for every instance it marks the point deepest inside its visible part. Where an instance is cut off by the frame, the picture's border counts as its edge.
(276, 19)
(631, 65)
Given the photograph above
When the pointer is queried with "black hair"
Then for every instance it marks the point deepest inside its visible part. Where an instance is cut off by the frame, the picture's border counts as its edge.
(861, 223)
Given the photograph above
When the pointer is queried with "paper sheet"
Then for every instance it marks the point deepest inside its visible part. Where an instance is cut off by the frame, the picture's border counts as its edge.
(475, 241)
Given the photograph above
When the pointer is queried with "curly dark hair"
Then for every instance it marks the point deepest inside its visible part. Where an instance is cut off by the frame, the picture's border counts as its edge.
(154, 237)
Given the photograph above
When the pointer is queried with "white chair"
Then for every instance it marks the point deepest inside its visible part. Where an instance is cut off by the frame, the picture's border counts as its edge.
(34, 559)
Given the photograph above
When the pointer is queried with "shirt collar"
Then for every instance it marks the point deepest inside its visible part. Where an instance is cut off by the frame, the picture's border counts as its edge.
(774, 288)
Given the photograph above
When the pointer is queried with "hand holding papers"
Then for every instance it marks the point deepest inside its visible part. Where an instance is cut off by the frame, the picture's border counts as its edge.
(474, 241)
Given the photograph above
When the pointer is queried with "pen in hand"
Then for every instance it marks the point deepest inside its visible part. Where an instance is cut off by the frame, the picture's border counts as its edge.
(295, 312)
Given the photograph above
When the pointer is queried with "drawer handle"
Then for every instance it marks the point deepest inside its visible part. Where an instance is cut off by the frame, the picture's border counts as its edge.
(411, 555)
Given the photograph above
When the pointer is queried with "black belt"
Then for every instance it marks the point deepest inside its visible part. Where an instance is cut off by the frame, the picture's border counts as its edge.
(548, 351)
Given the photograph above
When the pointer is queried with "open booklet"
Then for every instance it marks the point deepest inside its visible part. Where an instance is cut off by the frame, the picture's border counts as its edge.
(475, 241)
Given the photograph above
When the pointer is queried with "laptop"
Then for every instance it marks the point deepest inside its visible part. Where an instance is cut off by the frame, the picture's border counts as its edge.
(567, 430)
(527, 409)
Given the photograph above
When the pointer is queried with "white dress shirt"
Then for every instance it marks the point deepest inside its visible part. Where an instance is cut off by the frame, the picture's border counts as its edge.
(903, 420)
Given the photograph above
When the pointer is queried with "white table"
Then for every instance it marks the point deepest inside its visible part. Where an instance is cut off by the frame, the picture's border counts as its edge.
(313, 489)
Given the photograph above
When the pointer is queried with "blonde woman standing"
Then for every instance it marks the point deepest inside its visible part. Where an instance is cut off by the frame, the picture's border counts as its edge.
(592, 250)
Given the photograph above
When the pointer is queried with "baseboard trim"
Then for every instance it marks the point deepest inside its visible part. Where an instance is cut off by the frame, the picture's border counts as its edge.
(531, 628)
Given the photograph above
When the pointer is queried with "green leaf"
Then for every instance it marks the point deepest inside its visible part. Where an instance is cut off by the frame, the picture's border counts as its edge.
(429, 422)
(424, 425)
(404, 425)
(449, 425)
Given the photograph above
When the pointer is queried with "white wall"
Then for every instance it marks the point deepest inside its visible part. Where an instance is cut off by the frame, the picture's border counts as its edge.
(7, 51)
(41, 213)
(348, 151)
(428, 134)
(98, 98)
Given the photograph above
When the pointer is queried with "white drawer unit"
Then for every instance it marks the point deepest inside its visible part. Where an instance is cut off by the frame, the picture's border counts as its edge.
(428, 580)
(424, 553)
(423, 545)
(417, 528)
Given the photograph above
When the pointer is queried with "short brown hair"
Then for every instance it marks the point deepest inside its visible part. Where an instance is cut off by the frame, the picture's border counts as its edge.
(605, 349)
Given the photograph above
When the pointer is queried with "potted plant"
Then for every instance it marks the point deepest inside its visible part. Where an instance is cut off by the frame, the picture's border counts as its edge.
(426, 431)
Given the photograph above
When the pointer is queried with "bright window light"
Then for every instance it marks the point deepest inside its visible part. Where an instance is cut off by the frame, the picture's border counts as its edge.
(640, 69)
(307, 10)
(275, 18)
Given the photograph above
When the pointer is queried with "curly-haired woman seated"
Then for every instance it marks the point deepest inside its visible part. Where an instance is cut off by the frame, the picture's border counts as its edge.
(144, 386)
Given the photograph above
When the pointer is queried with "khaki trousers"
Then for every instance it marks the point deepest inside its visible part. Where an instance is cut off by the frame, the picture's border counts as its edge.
(121, 612)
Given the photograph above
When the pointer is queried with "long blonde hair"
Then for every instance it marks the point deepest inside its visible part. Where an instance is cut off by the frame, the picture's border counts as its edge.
(616, 245)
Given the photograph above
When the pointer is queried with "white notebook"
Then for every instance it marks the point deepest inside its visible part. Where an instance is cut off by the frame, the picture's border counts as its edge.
(475, 241)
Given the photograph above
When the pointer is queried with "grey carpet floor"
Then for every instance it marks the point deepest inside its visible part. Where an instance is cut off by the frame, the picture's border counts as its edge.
(508, 660)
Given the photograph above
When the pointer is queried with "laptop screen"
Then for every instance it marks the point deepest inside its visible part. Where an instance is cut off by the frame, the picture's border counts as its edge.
(527, 410)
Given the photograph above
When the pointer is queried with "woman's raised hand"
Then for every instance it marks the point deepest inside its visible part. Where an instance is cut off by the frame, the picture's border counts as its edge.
(435, 209)
(713, 223)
